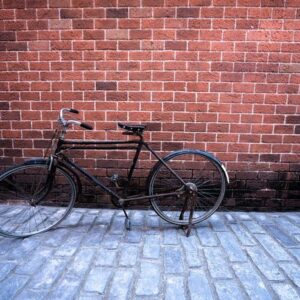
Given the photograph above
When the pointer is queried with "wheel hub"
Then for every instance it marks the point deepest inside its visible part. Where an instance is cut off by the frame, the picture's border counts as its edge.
(191, 187)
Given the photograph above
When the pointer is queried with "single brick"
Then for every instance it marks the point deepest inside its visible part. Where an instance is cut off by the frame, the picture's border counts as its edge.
(7, 36)
(106, 85)
(198, 284)
(251, 281)
(117, 13)
(97, 280)
(183, 12)
(265, 264)
(150, 278)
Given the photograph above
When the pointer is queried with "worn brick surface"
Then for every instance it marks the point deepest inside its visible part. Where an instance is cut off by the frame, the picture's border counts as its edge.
(222, 76)
(245, 259)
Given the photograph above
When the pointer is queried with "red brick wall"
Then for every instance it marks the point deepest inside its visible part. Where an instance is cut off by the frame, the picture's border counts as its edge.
(220, 75)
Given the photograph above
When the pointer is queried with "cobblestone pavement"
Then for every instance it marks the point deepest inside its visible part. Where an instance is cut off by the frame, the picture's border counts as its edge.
(233, 255)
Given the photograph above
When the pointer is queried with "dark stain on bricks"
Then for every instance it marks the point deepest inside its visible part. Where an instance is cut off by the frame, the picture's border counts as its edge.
(188, 12)
(106, 85)
(7, 36)
(117, 13)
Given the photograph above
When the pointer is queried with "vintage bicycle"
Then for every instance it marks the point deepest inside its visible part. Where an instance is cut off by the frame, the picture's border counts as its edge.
(184, 187)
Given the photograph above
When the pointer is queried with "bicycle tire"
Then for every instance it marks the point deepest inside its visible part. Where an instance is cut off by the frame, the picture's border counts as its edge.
(33, 201)
(195, 167)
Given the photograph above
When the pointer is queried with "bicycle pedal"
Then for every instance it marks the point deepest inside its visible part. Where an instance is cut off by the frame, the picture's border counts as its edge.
(114, 178)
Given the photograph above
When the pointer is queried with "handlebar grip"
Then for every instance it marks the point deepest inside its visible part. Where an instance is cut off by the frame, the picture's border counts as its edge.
(74, 111)
(86, 126)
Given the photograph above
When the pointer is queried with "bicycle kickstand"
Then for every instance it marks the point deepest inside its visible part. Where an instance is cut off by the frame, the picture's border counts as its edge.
(187, 229)
(127, 220)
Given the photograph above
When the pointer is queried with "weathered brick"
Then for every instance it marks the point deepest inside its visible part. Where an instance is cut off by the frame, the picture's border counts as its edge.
(117, 13)
(188, 53)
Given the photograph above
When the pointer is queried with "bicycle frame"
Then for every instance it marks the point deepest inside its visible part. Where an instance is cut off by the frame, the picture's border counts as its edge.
(136, 144)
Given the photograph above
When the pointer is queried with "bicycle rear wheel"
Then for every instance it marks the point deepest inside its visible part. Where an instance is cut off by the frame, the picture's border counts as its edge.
(198, 170)
(33, 200)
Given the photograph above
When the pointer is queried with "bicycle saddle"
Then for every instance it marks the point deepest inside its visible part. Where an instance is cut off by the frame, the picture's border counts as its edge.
(133, 128)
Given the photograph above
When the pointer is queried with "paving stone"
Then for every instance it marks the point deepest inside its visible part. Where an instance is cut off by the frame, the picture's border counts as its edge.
(137, 218)
(25, 247)
(281, 236)
(149, 280)
(170, 236)
(173, 260)
(198, 285)
(12, 285)
(105, 217)
(98, 279)
(95, 236)
(252, 257)
(207, 237)
(90, 296)
(7, 245)
(228, 290)
(117, 225)
(217, 265)
(70, 245)
(252, 282)
(243, 235)
(232, 247)
(72, 219)
(105, 257)
(85, 222)
(230, 218)
(287, 225)
(35, 261)
(264, 219)
(31, 294)
(285, 291)
(151, 247)
(272, 247)
(265, 263)
(292, 272)
(152, 223)
(134, 235)
(192, 251)
(175, 288)
(65, 289)
(6, 268)
(129, 255)
(81, 263)
(253, 227)
(48, 273)
(296, 253)
(121, 285)
(241, 216)
(111, 241)
(55, 237)
(218, 223)
(294, 217)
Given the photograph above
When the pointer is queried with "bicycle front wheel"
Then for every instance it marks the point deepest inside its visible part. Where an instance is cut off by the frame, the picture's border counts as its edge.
(33, 200)
(196, 169)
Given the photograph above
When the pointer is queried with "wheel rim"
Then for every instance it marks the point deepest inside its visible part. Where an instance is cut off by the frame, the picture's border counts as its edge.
(27, 203)
(201, 174)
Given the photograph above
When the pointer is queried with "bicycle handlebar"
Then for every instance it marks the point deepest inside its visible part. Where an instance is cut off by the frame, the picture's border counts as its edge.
(66, 123)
